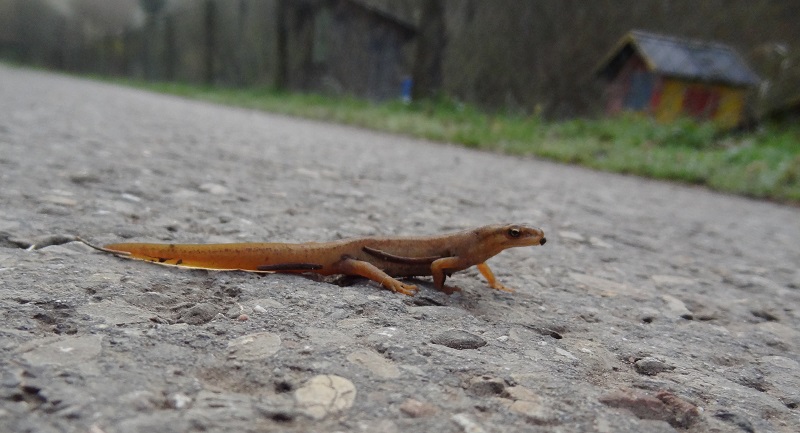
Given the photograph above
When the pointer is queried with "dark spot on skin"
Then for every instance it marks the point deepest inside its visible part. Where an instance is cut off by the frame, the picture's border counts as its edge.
(543, 241)
(162, 260)
(180, 261)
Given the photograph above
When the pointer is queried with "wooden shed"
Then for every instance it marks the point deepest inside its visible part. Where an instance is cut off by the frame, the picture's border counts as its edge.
(353, 47)
(669, 77)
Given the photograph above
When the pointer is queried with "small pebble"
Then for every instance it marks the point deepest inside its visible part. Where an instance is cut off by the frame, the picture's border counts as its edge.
(417, 409)
(566, 354)
(375, 363)
(597, 242)
(651, 366)
(677, 307)
(199, 313)
(84, 177)
(458, 339)
(486, 386)
(737, 420)
(214, 188)
(535, 411)
(59, 200)
(664, 406)
(179, 400)
(572, 236)
(466, 423)
(130, 197)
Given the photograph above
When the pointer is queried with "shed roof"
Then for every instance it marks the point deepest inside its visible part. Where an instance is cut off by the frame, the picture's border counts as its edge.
(679, 57)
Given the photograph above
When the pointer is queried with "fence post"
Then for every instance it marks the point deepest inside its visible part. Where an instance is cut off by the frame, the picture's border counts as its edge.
(211, 12)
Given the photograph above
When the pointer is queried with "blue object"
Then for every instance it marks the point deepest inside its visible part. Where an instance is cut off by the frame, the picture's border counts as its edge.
(405, 89)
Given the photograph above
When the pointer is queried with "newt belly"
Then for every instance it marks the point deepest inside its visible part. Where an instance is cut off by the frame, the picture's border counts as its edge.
(380, 259)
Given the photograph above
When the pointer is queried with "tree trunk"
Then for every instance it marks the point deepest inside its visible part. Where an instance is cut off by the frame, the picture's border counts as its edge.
(282, 50)
(427, 73)
(211, 24)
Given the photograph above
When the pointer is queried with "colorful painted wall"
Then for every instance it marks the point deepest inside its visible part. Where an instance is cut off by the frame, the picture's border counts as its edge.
(724, 105)
(638, 89)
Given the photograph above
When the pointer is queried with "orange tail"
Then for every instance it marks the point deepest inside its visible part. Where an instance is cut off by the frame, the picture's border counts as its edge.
(248, 257)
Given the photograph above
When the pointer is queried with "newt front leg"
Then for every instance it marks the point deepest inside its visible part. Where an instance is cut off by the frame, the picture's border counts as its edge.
(487, 273)
(441, 269)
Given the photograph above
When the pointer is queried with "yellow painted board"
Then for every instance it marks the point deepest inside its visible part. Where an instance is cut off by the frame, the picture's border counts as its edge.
(731, 104)
(670, 104)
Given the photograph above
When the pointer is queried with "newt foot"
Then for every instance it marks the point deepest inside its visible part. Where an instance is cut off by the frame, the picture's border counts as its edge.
(396, 286)
(449, 290)
(502, 288)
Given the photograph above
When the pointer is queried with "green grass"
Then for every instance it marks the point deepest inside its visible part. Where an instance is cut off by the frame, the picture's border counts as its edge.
(763, 164)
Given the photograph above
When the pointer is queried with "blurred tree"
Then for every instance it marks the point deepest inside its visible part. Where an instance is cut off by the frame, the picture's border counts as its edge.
(152, 8)
(110, 16)
(281, 46)
(39, 32)
(210, 40)
(427, 69)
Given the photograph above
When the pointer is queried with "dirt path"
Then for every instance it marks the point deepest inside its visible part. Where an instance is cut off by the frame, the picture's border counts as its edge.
(652, 307)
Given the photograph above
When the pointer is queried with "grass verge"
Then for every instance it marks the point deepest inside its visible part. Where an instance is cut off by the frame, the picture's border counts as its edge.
(763, 164)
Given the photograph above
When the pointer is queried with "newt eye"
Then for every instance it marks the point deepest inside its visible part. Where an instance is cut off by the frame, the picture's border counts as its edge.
(513, 233)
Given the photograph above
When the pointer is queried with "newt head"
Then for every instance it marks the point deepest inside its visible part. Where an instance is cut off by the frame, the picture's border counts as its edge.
(514, 235)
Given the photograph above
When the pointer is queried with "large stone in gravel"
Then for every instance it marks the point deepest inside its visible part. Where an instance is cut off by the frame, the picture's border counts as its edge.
(324, 395)
(375, 363)
(254, 347)
(76, 352)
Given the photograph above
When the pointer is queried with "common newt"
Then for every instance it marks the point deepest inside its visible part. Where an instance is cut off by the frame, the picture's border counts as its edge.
(378, 258)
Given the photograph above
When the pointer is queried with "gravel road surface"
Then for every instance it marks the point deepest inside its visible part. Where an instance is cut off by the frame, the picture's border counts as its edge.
(653, 306)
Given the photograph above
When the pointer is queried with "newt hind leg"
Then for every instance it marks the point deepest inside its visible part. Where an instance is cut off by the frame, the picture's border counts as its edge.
(350, 266)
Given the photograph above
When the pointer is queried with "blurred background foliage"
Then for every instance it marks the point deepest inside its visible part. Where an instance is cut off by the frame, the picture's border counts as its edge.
(517, 76)
(533, 57)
